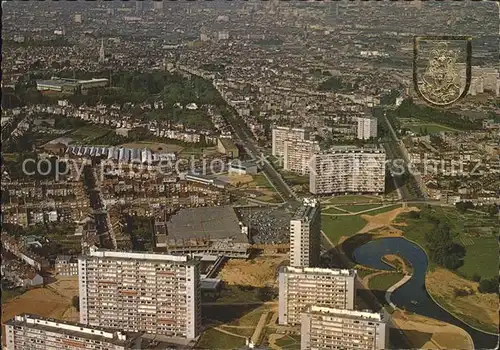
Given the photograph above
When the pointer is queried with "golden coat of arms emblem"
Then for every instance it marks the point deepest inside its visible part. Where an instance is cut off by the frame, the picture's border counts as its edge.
(442, 68)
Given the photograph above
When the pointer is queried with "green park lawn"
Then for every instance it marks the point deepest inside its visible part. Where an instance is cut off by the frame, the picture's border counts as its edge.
(337, 226)
(213, 339)
(481, 258)
(431, 128)
(352, 199)
(332, 211)
(384, 281)
(361, 207)
(88, 133)
(261, 181)
(289, 342)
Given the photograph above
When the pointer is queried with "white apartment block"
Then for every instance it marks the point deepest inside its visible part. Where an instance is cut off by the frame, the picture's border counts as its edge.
(301, 287)
(348, 169)
(280, 134)
(324, 328)
(140, 292)
(367, 128)
(297, 155)
(34, 332)
(305, 231)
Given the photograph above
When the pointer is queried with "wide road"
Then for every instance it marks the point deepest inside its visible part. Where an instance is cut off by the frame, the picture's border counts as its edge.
(394, 151)
(244, 134)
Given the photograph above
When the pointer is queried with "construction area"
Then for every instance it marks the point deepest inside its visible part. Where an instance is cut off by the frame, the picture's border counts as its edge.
(55, 300)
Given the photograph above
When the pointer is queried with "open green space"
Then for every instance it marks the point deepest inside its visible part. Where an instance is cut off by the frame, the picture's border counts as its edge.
(88, 133)
(289, 342)
(337, 226)
(261, 181)
(213, 339)
(382, 210)
(332, 211)
(384, 281)
(357, 208)
(481, 252)
(349, 199)
(481, 258)
(429, 128)
(295, 179)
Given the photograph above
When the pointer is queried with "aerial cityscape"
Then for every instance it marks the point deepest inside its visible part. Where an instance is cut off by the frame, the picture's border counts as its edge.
(251, 174)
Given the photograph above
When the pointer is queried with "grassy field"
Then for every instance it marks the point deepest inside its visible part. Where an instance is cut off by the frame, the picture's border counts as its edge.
(338, 226)
(261, 181)
(349, 199)
(481, 258)
(333, 211)
(358, 208)
(213, 339)
(431, 128)
(88, 133)
(289, 342)
(383, 210)
(295, 179)
(384, 281)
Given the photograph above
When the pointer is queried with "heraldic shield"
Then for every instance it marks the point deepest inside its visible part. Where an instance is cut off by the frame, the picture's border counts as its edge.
(442, 68)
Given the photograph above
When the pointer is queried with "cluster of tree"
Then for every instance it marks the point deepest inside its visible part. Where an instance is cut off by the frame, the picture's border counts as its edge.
(269, 42)
(211, 67)
(140, 230)
(408, 109)
(42, 230)
(442, 250)
(194, 119)
(464, 206)
(64, 123)
(337, 84)
(389, 98)
(489, 285)
(319, 73)
(27, 166)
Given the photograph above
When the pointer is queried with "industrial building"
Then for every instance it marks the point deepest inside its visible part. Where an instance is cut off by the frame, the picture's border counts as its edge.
(348, 169)
(305, 234)
(140, 292)
(297, 155)
(65, 85)
(207, 231)
(121, 155)
(281, 134)
(243, 167)
(301, 287)
(331, 329)
(34, 332)
(367, 127)
(226, 146)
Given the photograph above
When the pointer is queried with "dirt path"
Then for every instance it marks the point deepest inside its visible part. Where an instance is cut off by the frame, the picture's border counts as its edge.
(272, 341)
(427, 333)
(383, 220)
(230, 333)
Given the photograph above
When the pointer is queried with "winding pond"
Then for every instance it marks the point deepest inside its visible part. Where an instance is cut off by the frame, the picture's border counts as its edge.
(370, 254)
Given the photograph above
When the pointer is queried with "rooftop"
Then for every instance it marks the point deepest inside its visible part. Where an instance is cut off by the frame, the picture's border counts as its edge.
(319, 271)
(206, 222)
(71, 328)
(113, 254)
(366, 315)
(307, 211)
